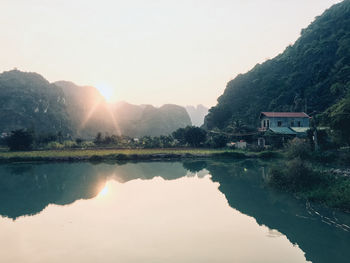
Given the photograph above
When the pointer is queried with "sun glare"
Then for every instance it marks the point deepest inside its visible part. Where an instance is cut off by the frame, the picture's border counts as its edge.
(104, 191)
(106, 91)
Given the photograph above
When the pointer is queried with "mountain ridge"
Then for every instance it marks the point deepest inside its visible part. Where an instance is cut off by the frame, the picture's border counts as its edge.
(310, 75)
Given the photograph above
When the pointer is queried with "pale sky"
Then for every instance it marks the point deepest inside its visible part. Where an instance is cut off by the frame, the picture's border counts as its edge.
(150, 51)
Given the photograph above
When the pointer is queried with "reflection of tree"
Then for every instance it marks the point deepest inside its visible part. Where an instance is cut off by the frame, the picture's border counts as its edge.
(194, 166)
(26, 189)
(243, 185)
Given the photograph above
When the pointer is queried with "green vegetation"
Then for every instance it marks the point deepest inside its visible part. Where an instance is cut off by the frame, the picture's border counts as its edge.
(113, 154)
(311, 76)
(194, 136)
(28, 101)
(338, 117)
(304, 177)
(20, 140)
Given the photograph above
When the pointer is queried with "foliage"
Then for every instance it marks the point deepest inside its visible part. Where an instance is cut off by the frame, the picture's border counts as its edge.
(54, 145)
(70, 144)
(299, 177)
(179, 135)
(268, 155)
(45, 138)
(216, 140)
(191, 135)
(338, 117)
(310, 75)
(27, 100)
(295, 176)
(298, 148)
(195, 136)
(20, 140)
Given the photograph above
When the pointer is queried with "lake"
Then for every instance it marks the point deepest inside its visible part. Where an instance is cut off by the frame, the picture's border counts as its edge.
(193, 211)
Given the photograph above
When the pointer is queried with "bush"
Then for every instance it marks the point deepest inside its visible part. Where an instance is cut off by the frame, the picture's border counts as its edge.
(54, 146)
(20, 140)
(268, 155)
(69, 144)
(296, 176)
(298, 148)
(87, 144)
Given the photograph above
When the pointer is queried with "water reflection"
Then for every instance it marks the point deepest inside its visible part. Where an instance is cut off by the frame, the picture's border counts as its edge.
(26, 189)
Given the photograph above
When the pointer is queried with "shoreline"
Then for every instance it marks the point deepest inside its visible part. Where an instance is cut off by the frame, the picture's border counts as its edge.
(101, 155)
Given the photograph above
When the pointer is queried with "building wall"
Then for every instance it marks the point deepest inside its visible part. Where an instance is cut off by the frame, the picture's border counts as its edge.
(285, 122)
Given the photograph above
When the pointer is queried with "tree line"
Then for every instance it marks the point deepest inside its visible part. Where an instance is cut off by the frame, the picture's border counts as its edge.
(190, 136)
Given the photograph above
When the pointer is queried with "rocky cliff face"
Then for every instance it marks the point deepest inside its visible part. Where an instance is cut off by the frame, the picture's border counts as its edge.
(27, 100)
(197, 114)
(137, 121)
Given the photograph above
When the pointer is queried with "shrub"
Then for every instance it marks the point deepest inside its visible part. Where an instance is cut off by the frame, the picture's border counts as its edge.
(87, 144)
(54, 145)
(20, 140)
(268, 154)
(298, 148)
(296, 176)
(69, 144)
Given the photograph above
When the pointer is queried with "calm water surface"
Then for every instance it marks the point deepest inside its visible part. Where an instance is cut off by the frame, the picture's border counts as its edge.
(199, 211)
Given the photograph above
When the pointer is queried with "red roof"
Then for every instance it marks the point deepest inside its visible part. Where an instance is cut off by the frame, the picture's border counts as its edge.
(286, 114)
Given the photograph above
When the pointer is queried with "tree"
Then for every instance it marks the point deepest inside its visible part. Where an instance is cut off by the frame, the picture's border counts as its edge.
(339, 118)
(179, 135)
(20, 140)
(194, 136)
(98, 139)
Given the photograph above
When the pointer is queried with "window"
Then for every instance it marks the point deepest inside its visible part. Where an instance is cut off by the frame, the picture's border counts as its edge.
(268, 123)
(264, 123)
(292, 124)
(279, 123)
(299, 124)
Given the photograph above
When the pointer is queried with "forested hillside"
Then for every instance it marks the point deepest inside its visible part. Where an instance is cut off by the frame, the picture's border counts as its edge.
(27, 100)
(141, 120)
(87, 109)
(311, 75)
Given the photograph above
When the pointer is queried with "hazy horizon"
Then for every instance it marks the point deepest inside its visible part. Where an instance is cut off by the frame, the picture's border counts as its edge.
(150, 52)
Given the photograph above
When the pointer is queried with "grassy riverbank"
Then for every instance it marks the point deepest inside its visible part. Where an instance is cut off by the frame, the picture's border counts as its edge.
(322, 177)
(126, 154)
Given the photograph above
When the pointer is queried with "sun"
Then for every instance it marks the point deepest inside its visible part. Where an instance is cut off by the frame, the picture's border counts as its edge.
(104, 191)
(106, 91)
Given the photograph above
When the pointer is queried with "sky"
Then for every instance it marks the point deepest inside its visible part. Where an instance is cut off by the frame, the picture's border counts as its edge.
(150, 51)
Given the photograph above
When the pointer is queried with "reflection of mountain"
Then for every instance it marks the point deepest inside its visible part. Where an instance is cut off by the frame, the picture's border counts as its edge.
(26, 189)
(245, 191)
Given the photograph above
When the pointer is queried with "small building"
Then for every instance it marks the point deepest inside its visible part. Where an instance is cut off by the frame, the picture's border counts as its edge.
(278, 127)
(272, 120)
(238, 145)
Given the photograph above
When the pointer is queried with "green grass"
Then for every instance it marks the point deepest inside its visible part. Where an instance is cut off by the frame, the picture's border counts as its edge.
(87, 153)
